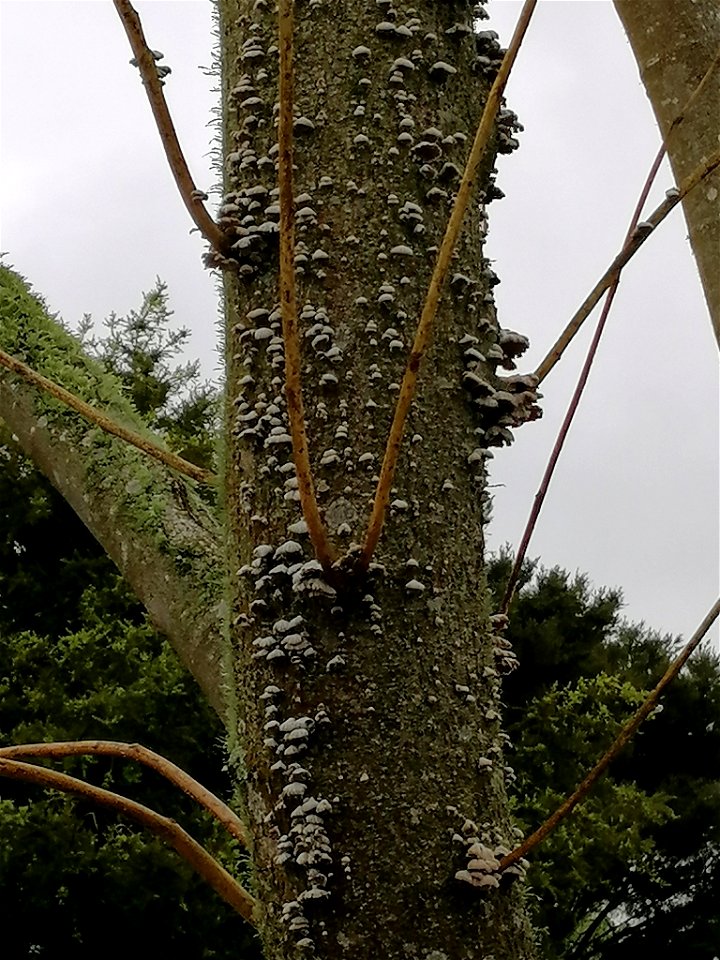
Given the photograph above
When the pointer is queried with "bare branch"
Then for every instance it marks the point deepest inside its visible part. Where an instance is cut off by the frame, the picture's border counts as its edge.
(592, 351)
(135, 751)
(288, 301)
(191, 196)
(442, 265)
(168, 830)
(626, 734)
(104, 422)
(672, 198)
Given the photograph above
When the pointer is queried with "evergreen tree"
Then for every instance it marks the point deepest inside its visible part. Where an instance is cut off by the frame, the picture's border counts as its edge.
(632, 871)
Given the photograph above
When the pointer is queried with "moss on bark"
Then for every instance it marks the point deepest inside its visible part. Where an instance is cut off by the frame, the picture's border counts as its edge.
(368, 705)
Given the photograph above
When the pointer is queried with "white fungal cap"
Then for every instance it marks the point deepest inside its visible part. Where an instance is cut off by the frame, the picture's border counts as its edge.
(414, 586)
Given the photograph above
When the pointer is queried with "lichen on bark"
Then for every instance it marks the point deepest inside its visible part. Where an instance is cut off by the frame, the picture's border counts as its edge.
(366, 707)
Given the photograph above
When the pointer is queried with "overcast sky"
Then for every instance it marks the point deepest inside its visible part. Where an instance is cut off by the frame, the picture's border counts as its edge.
(91, 217)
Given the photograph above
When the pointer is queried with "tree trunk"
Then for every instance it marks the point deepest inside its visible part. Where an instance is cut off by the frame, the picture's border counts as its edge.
(367, 707)
(674, 44)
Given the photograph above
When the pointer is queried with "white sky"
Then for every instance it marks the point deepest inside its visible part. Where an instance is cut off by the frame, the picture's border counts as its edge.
(90, 215)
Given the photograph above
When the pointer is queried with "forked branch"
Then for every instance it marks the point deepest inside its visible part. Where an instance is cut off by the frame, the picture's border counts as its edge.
(442, 265)
(288, 300)
(643, 231)
(625, 735)
(104, 422)
(191, 196)
(135, 751)
(168, 830)
(592, 351)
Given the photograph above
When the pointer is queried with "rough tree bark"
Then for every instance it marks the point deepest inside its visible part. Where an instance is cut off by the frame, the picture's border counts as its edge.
(367, 707)
(363, 710)
(674, 44)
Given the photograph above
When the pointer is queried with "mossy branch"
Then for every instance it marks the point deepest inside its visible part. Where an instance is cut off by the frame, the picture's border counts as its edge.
(430, 307)
(105, 423)
(288, 299)
(630, 248)
(191, 196)
(625, 735)
(150, 520)
(135, 751)
(168, 830)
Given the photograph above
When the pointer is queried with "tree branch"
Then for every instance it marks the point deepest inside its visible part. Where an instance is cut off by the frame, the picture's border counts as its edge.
(592, 351)
(581, 944)
(288, 301)
(106, 423)
(672, 198)
(135, 751)
(625, 735)
(150, 521)
(191, 196)
(442, 265)
(168, 830)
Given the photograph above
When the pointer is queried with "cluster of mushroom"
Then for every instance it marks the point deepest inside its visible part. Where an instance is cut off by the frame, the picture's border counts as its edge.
(502, 402)
(161, 70)
(483, 859)
(305, 844)
(483, 866)
(505, 659)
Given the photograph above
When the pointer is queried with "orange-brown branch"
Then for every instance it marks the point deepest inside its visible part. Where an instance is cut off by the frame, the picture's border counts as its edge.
(191, 196)
(135, 751)
(625, 735)
(288, 300)
(168, 830)
(429, 311)
(104, 422)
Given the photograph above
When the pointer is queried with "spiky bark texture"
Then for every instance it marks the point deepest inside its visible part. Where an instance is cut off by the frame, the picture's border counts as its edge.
(674, 44)
(367, 707)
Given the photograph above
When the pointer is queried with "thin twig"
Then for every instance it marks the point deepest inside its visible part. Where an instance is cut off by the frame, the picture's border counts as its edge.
(627, 732)
(429, 311)
(104, 422)
(673, 197)
(288, 301)
(168, 830)
(573, 405)
(592, 351)
(546, 365)
(135, 751)
(191, 196)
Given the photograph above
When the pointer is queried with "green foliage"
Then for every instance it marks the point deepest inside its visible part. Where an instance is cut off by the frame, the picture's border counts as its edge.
(78, 660)
(141, 350)
(78, 869)
(641, 854)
